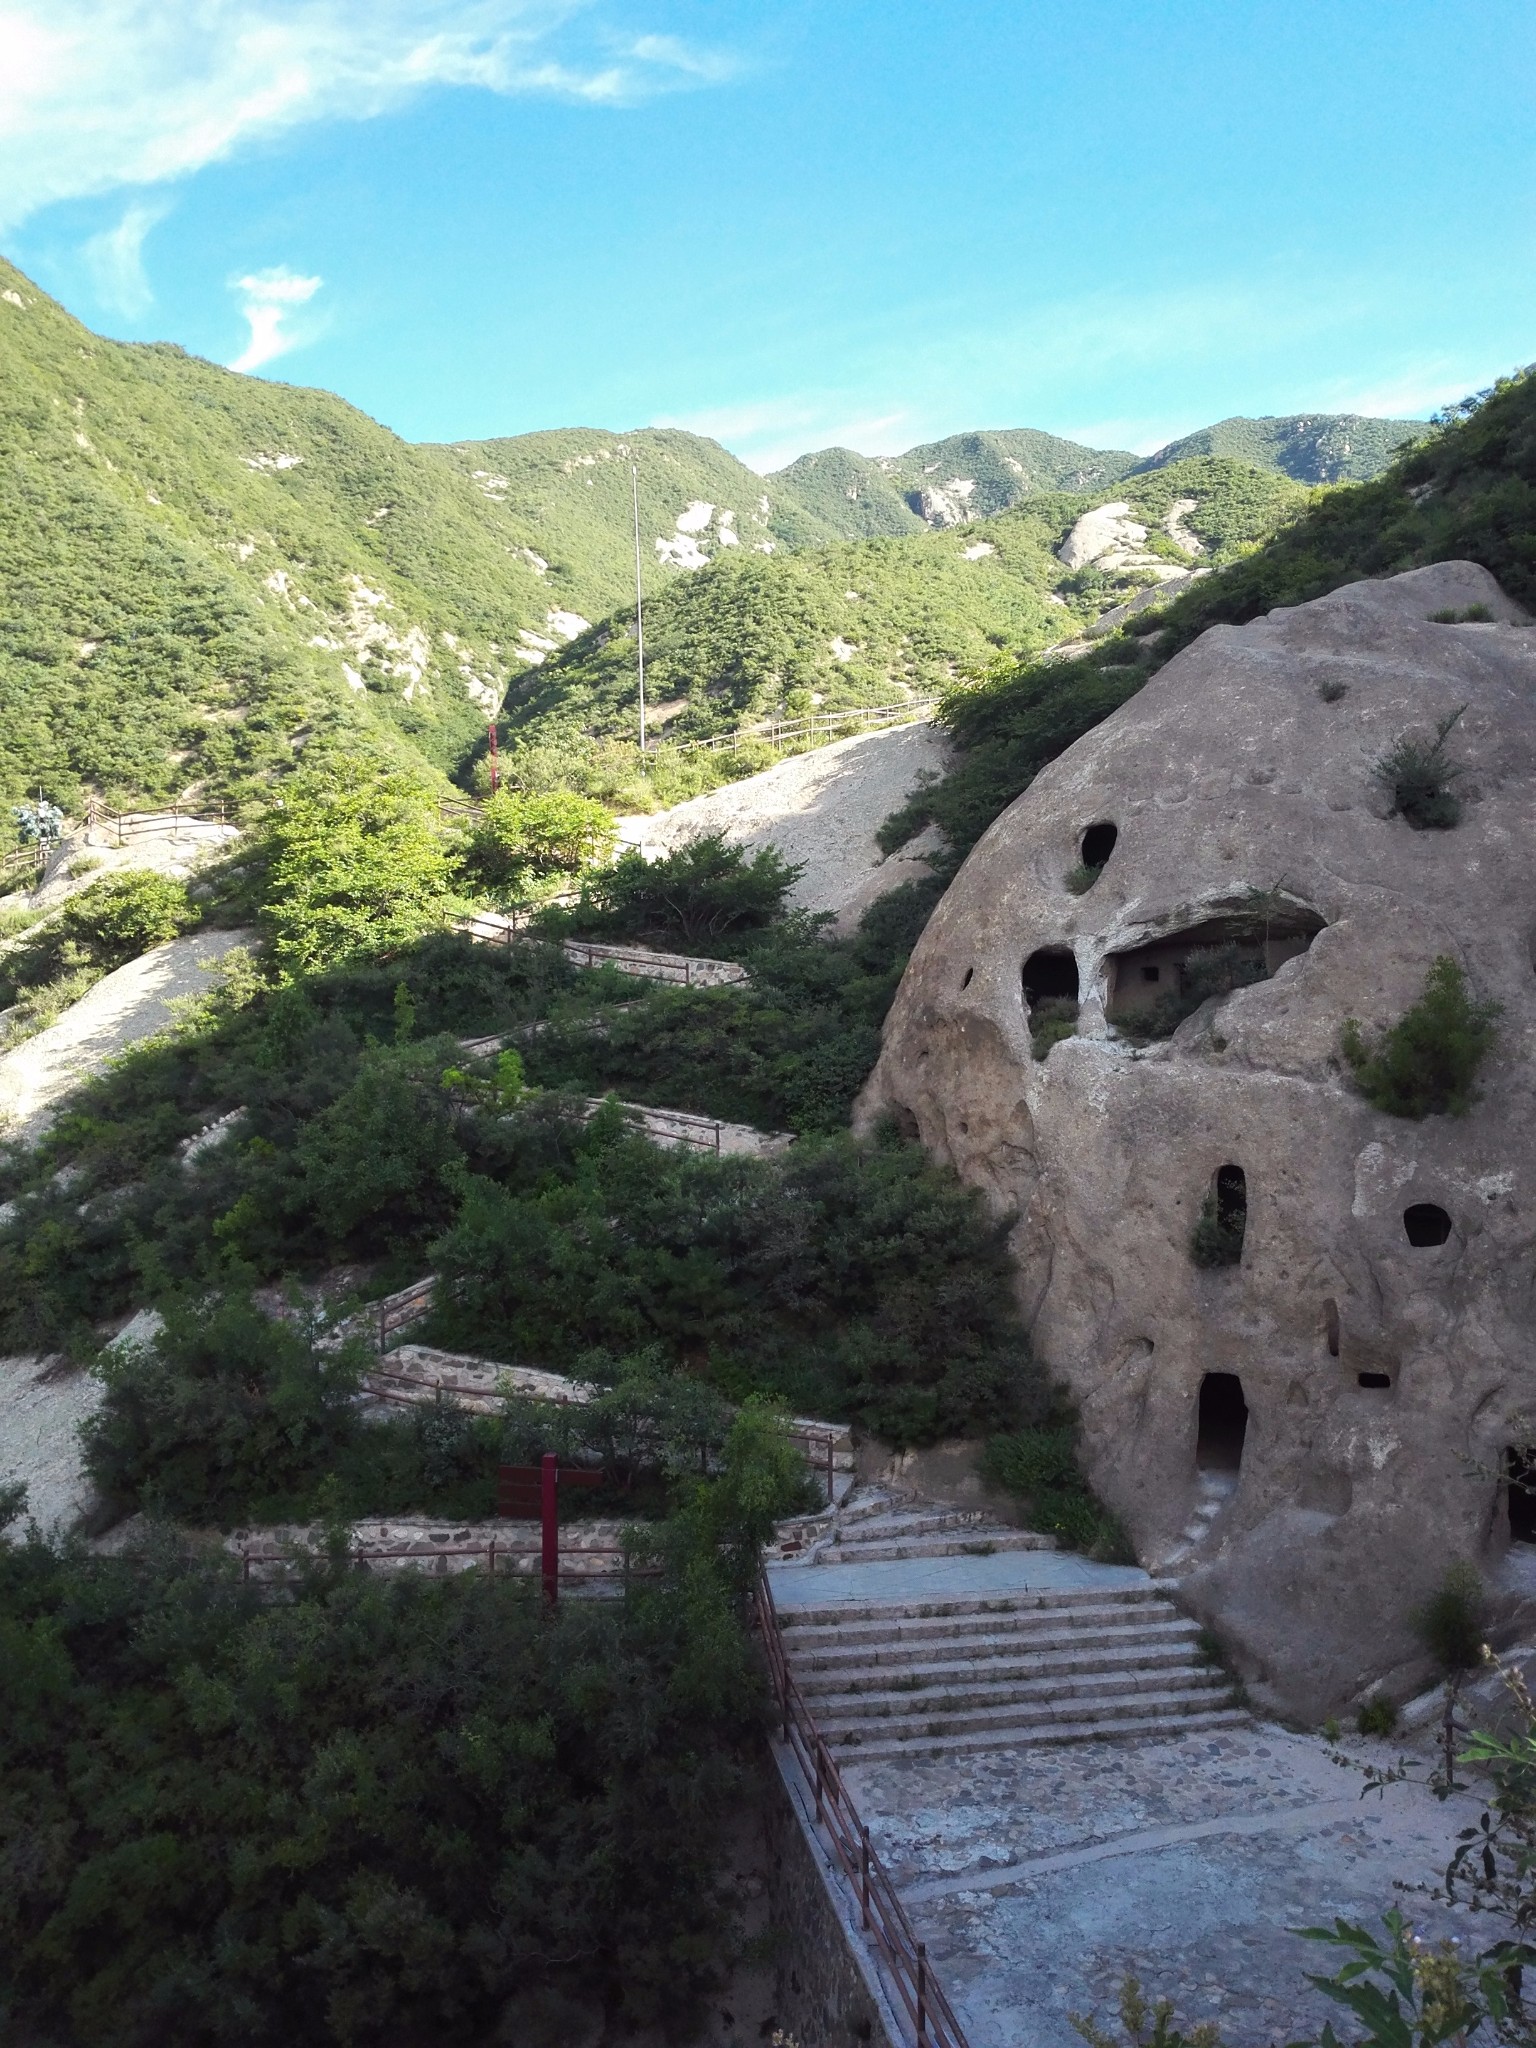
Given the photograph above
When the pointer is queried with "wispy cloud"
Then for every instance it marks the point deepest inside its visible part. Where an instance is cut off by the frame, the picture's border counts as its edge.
(115, 260)
(269, 298)
(106, 93)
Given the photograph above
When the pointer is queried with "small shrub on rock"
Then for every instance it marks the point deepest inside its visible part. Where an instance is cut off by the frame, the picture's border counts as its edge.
(1427, 1063)
(117, 919)
(1378, 1716)
(1469, 615)
(1417, 776)
(1217, 1239)
(1051, 1020)
(1039, 1467)
(1453, 1621)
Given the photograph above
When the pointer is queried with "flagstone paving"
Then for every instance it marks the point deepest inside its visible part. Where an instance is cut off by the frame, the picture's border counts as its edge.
(1040, 1878)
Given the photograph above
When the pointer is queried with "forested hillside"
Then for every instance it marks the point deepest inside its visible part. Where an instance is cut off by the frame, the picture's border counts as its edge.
(1315, 448)
(1466, 492)
(865, 622)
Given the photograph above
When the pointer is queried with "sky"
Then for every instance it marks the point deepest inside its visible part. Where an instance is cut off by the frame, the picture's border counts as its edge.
(791, 223)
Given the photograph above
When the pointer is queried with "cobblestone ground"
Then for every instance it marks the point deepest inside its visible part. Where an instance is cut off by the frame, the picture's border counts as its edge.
(1041, 1878)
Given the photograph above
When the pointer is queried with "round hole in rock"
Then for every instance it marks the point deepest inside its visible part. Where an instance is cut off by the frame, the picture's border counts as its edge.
(1426, 1223)
(1373, 1379)
(1098, 844)
(1223, 1423)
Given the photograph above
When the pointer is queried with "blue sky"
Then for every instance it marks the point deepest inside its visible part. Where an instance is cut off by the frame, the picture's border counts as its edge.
(791, 222)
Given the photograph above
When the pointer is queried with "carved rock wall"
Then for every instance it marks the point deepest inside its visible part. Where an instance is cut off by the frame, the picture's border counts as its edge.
(1382, 1379)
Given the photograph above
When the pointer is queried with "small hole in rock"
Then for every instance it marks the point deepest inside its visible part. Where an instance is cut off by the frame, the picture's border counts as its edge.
(1374, 1379)
(1426, 1223)
(967, 977)
(1520, 1484)
(1331, 1325)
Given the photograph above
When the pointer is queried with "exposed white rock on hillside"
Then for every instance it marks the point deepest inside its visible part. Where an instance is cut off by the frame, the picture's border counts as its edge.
(822, 808)
(1310, 1435)
(131, 1003)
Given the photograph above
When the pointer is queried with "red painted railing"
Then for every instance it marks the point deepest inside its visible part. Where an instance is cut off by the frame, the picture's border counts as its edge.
(920, 1997)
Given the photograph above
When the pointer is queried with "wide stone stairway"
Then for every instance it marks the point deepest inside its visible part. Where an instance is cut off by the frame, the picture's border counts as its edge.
(911, 1628)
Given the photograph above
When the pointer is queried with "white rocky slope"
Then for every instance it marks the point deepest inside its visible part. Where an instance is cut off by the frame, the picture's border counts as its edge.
(822, 808)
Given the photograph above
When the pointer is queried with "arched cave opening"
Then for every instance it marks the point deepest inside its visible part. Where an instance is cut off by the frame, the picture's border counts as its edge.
(1520, 1491)
(1223, 1220)
(1098, 844)
(1155, 986)
(1426, 1223)
(1223, 1423)
(1050, 997)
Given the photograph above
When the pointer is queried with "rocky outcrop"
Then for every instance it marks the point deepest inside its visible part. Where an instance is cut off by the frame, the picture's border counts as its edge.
(1311, 1435)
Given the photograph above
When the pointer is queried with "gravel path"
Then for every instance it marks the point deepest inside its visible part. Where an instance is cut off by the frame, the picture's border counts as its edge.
(822, 808)
(131, 1003)
(43, 1400)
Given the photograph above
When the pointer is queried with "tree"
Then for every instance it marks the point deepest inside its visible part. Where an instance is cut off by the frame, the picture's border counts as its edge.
(1426, 1064)
(520, 837)
(357, 864)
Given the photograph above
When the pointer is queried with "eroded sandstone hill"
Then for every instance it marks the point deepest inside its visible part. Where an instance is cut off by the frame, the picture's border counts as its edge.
(1310, 1434)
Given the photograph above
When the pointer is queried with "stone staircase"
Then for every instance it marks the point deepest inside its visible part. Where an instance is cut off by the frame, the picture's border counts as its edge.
(874, 1527)
(887, 1678)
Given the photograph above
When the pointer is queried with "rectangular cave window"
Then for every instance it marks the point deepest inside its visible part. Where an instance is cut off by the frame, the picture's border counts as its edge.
(1223, 1423)
(1373, 1379)
(1520, 1485)
(1151, 973)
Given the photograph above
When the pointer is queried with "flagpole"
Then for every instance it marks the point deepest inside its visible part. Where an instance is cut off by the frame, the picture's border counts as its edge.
(634, 478)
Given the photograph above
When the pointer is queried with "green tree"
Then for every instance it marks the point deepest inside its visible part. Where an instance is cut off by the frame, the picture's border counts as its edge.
(520, 837)
(123, 915)
(1427, 1063)
(357, 863)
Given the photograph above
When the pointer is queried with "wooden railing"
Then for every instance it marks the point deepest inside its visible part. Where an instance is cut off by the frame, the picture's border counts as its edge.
(919, 1997)
(24, 860)
(775, 731)
(509, 927)
(128, 825)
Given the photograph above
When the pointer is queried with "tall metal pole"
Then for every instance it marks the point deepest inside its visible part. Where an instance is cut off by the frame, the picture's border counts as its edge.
(634, 478)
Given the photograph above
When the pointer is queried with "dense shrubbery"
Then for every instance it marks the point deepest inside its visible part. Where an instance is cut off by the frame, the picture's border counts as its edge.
(1426, 1064)
(376, 1811)
(693, 897)
(108, 923)
(522, 838)
(1039, 1467)
(850, 1281)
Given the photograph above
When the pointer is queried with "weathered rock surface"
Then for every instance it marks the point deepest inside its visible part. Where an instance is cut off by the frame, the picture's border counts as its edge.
(1383, 1380)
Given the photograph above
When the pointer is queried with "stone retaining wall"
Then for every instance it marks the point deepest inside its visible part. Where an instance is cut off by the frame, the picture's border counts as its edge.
(828, 1994)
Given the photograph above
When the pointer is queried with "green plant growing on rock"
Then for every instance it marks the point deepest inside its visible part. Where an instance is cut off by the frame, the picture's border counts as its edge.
(1452, 1622)
(1081, 878)
(1469, 615)
(1144, 2026)
(1051, 1019)
(1426, 1064)
(1417, 776)
(1217, 1238)
(1377, 1716)
(1039, 1467)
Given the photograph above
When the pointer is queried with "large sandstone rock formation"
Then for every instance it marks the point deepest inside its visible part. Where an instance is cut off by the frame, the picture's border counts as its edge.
(1384, 1378)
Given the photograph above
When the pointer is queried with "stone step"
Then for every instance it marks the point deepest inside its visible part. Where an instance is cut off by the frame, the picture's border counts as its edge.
(1009, 1661)
(1067, 1705)
(983, 1635)
(957, 1543)
(1084, 1691)
(1141, 1728)
(886, 1523)
(1047, 1600)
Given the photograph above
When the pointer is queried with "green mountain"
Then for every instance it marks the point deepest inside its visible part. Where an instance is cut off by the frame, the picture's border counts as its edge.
(567, 494)
(1315, 448)
(870, 621)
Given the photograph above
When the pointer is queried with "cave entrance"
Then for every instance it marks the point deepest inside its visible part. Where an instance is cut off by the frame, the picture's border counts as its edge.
(1520, 1488)
(1223, 1423)
(1050, 997)
(1155, 986)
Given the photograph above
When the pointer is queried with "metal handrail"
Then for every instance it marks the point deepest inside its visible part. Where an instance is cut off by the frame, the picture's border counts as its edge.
(882, 1916)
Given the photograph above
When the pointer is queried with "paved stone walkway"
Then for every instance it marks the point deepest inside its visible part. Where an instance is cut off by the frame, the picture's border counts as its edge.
(913, 1578)
(1041, 1878)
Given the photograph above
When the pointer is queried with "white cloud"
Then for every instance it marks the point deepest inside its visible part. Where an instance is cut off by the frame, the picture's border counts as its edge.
(105, 93)
(270, 297)
(115, 260)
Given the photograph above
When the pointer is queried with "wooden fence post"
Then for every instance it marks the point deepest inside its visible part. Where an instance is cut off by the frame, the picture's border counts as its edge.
(922, 1995)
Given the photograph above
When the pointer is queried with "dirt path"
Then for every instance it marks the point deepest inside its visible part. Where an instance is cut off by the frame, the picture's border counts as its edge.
(822, 808)
(131, 1003)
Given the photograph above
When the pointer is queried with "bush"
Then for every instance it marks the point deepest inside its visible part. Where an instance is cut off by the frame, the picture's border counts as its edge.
(522, 837)
(1081, 878)
(224, 1406)
(1051, 1020)
(1427, 1063)
(1039, 1466)
(377, 1811)
(1452, 1623)
(357, 864)
(125, 914)
(702, 891)
(1417, 776)
(850, 1281)
(1378, 1716)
